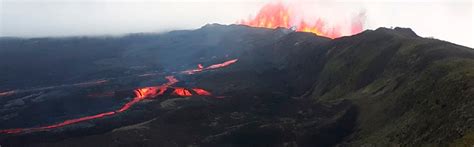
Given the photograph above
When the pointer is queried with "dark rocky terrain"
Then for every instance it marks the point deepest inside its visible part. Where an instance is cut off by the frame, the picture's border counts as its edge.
(383, 87)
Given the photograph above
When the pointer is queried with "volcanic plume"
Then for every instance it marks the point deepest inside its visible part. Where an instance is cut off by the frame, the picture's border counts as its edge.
(273, 15)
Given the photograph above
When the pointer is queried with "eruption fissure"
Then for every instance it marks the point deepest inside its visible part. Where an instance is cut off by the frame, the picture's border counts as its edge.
(140, 94)
(182, 92)
(200, 91)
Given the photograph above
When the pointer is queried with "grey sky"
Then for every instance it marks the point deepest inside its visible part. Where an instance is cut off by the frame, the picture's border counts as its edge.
(450, 20)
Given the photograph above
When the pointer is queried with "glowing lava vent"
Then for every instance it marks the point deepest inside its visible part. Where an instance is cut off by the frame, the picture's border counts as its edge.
(182, 92)
(200, 91)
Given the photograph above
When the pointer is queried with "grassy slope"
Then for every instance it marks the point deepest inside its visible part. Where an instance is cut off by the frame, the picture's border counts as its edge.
(410, 90)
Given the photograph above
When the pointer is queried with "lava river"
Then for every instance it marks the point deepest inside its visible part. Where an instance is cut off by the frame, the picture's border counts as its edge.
(274, 15)
(140, 94)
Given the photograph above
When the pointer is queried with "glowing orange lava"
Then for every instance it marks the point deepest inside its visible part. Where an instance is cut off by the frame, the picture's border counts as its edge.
(200, 91)
(140, 94)
(274, 15)
(146, 92)
(215, 66)
(182, 92)
(72, 121)
(220, 65)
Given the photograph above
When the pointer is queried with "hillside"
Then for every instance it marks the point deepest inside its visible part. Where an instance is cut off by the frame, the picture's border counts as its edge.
(377, 88)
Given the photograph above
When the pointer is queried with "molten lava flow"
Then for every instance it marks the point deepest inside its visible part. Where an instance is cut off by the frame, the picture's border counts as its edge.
(64, 123)
(220, 65)
(182, 92)
(72, 121)
(215, 66)
(278, 15)
(146, 92)
(200, 91)
(140, 94)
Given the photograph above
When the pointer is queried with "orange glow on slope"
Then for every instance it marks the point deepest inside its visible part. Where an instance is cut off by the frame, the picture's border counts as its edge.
(215, 66)
(220, 65)
(185, 92)
(200, 91)
(182, 92)
(146, 92)
(140, 94)
(278, 15)
(72, 121)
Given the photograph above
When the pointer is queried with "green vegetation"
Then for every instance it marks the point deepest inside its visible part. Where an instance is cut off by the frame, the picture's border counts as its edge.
(410, 90)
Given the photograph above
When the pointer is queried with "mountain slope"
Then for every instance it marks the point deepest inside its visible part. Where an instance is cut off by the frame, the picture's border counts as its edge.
(409, 90)
(380, 87)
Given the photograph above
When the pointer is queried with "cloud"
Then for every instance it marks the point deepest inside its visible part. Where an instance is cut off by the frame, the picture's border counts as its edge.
(443, 19)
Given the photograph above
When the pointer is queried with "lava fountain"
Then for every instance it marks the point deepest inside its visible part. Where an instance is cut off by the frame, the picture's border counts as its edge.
(274, 15)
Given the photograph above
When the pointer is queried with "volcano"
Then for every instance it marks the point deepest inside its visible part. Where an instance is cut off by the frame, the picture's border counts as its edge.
(237, 85)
